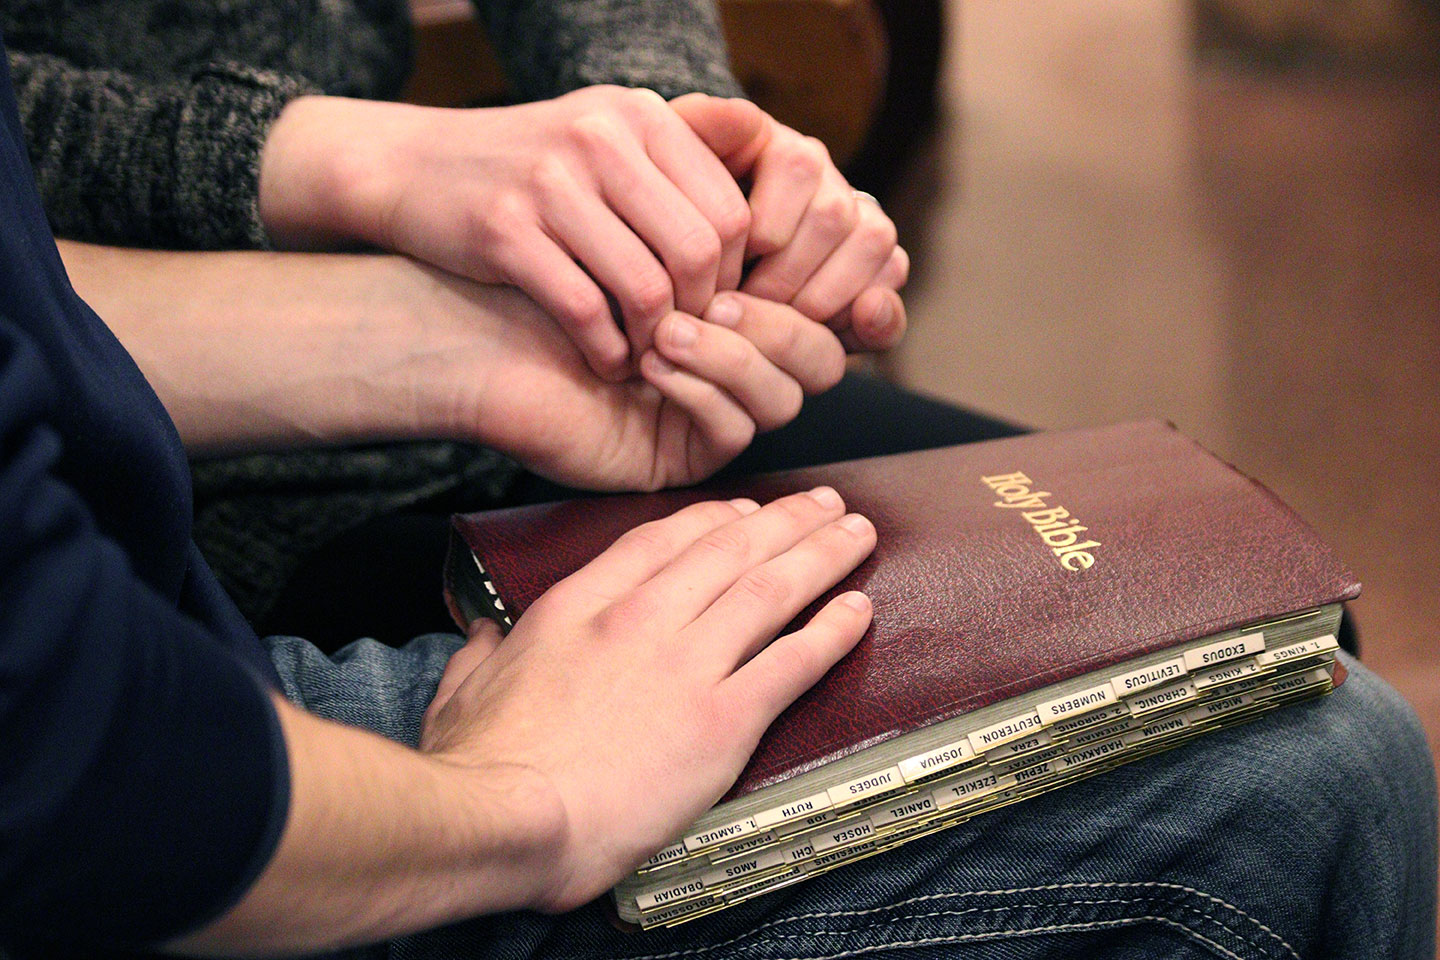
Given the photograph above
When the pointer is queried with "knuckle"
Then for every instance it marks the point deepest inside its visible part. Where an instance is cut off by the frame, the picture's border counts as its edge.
(733, 220)
(650, 292)
(727, 541)
(582, 304)
(806, 160)
(626, 616)
(595, 132)
(793, 660)
(765, 588)
(650, 538)
(697, 252)
(835, 214)
(877, 237)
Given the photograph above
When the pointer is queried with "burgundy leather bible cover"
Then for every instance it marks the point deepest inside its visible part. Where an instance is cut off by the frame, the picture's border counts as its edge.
(972, 605)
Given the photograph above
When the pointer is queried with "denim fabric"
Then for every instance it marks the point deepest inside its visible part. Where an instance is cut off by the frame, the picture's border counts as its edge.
(1310, 833)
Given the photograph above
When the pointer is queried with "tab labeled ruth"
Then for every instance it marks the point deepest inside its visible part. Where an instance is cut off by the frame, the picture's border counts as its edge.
(818, 803)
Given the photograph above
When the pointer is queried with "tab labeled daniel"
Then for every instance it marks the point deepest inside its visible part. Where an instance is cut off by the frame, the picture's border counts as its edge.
(899, 810)
(1223, 650)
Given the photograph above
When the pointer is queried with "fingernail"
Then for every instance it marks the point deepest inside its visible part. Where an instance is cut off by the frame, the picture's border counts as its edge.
(682, 331)
(724, 312)
(856, 600)
(746, 507)
(884, 315)
(855, 524)
(826, 497)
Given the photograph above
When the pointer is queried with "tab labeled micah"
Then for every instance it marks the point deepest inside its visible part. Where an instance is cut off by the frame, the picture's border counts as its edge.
(731, 831)
(818, 803)
(881, 781)
(941, 758)
(1222, 650)
(1008, 729)
(1076, 703)
(1146, 677)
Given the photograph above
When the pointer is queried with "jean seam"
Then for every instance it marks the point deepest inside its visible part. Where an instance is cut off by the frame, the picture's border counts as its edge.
(975, 911)
(1024, 931)
(931, 898)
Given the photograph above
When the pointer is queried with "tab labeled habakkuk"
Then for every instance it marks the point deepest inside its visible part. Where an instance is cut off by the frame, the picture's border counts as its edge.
(1220, 651)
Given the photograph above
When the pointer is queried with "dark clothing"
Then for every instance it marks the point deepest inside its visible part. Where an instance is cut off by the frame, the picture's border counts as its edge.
(143, 777)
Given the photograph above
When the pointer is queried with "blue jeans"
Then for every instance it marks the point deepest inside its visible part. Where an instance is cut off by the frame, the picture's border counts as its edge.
(1310, 833)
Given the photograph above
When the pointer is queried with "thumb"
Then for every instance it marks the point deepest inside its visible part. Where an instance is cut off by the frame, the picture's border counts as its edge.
(734, 129)
(484, 638)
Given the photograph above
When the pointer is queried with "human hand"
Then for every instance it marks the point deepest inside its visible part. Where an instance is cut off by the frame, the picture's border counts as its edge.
(602, 191)
(827, 251)
(495, 369)
(627, 699)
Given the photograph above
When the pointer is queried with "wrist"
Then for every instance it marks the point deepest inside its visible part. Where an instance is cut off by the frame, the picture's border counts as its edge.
(324, 173)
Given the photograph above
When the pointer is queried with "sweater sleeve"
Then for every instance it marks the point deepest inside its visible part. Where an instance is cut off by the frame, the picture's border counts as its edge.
(123, 161)
(550, 47)
(143, 776)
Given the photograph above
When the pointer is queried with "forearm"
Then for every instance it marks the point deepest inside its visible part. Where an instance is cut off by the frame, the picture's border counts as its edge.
(252, 350)
(381, 841)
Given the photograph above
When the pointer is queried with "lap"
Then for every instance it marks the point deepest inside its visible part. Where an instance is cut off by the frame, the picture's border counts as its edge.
(1307, 833)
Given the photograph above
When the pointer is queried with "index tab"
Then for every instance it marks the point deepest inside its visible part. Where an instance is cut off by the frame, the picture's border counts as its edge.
(848, 832)
(1147, 677)
(1223, 650)
(650, 899)
(1082, 701)
(941, 758)
(817, 803)
(881, 781)
(670, 854)
(1226, 673)
(730, 831)
(1005, 731)
(1298, 651)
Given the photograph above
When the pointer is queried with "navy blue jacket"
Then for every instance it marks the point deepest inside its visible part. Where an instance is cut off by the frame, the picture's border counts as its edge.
(143, 779)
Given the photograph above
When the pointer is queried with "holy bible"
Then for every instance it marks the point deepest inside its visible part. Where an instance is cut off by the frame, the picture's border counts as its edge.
(1046, 607)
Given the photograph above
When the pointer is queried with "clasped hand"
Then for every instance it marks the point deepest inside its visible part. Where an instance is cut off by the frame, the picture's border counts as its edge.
(604, 195)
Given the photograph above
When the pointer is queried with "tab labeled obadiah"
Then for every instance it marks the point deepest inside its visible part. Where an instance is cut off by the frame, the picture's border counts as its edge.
(1220, 651)
(650, 899)
(934, 761)
(818, 803)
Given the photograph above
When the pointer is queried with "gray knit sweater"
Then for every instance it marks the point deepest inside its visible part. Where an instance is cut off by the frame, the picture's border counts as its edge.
(146, 117)
(145, 120)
